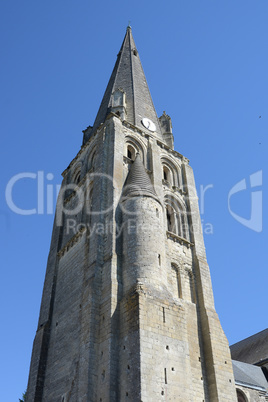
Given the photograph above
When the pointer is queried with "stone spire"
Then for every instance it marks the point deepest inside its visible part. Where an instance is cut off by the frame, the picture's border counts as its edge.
(128, 77)
(138, 183)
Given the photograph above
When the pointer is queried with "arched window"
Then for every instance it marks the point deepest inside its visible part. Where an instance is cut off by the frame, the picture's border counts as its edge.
(171, 172)
(176, 218)
(166, 174)
(132, 147)
(171, 219)
(77, 176)
(131, 152)
(241, 396)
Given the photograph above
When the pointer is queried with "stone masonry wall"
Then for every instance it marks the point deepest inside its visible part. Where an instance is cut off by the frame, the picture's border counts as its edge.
(129, 317)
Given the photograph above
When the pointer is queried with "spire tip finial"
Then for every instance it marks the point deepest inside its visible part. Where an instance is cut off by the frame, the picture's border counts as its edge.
(129, 26)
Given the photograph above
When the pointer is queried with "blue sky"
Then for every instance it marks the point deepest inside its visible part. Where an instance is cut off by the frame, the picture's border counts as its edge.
(206, 64)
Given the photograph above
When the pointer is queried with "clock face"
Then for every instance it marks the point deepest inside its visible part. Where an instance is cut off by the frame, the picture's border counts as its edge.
(148, 124)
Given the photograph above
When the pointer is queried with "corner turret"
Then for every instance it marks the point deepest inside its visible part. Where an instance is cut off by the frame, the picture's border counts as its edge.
(166, 128)
(143, 232)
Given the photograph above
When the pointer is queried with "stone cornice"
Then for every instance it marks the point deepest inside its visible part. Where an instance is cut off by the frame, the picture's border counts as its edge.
(172, 152)
(174, 189)
(179, 239)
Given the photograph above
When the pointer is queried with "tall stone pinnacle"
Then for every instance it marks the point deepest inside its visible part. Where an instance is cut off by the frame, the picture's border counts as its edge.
(128, 76)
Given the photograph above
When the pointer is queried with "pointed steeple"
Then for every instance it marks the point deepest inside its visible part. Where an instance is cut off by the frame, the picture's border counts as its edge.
(138, 183)
(128, 77)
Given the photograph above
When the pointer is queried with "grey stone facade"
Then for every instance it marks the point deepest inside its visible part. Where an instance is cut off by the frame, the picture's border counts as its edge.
(127, 312)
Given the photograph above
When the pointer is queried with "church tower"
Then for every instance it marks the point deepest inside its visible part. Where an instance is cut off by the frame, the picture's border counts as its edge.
(127, 311)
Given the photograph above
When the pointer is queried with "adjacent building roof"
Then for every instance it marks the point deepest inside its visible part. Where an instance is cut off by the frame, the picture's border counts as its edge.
(253, 350)
(128, 76)
(249, 375)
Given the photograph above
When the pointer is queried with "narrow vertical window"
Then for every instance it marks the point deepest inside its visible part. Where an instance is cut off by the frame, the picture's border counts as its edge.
(176, 218)
(171, 221)
(166, 174)
(130, 152)
(168, 221)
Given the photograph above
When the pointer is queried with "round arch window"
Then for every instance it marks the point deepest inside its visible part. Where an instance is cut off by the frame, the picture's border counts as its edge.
(241, 396)
(77, 177)
(131, 152)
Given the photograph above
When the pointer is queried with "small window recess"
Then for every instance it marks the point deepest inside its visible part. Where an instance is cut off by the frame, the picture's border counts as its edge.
(171, 220)
(166, 174)
(165, 372)
(164, 314)
(241, 396)
(130, 152)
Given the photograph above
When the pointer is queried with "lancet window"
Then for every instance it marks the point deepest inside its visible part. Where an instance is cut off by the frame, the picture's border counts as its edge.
(176, 218)
(132, 147)
(131, 153)
(77, 175)
(166, 174)
(241, 396)
(170, 173)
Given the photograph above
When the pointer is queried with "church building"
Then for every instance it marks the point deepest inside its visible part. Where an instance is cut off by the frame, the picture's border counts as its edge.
(127, 311)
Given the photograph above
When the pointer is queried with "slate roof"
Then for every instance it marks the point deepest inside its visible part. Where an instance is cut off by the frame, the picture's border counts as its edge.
(249, 375)
(138, 183)
(128, 76)
(251, 350)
